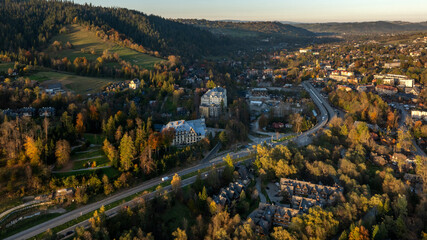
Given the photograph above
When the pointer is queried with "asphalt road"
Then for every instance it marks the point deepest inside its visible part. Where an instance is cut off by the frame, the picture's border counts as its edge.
(402, 124)
(305, 138)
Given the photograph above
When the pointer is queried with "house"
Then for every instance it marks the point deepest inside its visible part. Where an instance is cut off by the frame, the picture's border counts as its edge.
(266, 216)
(365, 88)
(283, 216)
(414, 91)
(305, 50)
(213, 102)
(278, 125)
(134, 84)
(259, 92)
(317, 194)
(230, 193)
(263, 218)
(392, 65)
(63, 194)
(187, 132)
(344, 88)
(343, 76)
(26, 111)
(302, 204)
(46, 112)
(268, 72)
(54, 88)
(419, 114)
(387, 90)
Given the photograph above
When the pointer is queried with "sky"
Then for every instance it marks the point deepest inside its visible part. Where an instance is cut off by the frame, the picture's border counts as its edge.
(278, 10)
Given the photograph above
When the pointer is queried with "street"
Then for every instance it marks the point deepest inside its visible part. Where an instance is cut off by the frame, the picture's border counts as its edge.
(303, 139)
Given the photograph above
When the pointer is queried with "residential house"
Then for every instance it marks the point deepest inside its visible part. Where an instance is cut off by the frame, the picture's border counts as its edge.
(230, 193)
(134, 84)
(54, 88)
(319, 193)
(392, 65)
(387, 90)
(46, 112)
(266, 216)
(365, 88)
(419, 114)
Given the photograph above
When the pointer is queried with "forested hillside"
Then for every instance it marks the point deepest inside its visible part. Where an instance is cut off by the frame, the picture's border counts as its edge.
(255, 28)
(31, 24)
(364, 27)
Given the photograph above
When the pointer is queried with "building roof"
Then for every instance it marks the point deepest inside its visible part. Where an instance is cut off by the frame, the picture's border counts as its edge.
(197, 125)
(216, 92)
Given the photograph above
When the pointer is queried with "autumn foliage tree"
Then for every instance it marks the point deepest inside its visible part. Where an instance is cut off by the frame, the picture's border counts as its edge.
(111, 152)
(32, 150)
(80, 127)
(127, 152)
(62, 152)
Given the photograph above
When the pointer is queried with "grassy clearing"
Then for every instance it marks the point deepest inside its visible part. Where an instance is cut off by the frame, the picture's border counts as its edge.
(110, 172)
(94, 138)
(76, 83)
(81, 38)
(100, 162)
(7, 203)
(5, 66)
(83, 155)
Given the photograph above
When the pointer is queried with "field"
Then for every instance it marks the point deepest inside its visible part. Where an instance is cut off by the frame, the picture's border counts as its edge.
(75, 83)
(81, 38)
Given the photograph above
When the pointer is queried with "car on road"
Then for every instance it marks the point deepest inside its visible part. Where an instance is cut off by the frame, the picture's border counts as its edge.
(165, 179)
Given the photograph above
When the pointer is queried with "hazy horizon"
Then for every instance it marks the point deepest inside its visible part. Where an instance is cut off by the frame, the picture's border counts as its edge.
(303, 11)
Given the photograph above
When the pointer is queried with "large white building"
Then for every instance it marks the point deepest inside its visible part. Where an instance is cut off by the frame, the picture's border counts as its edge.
(187, 132)
(419, 114)
(213, 102)
(393, 79)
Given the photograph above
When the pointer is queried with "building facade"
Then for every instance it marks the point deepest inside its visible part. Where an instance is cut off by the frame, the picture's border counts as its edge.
(134, 84)
(213, 102)
(187, 132)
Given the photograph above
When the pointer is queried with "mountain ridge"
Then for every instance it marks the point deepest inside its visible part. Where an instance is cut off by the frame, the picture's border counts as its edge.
(368, 27)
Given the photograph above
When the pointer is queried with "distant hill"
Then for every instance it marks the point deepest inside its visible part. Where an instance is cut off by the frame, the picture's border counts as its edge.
(249, 29)
(363, 27)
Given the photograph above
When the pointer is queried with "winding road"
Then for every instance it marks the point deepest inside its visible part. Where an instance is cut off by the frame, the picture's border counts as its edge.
(327, 113)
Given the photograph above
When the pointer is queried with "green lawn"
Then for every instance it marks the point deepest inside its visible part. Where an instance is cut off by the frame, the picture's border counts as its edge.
(5, 66)
(100, 162)
(110, 172)
(81, 38)
(94, 138)
(76, 83)
(93, 153)
(6, 203)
